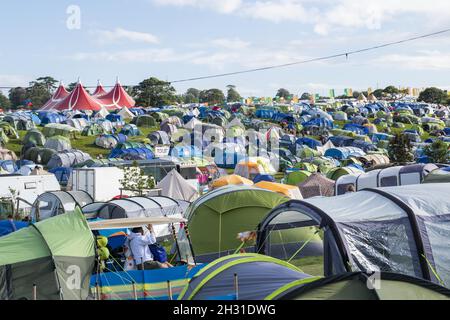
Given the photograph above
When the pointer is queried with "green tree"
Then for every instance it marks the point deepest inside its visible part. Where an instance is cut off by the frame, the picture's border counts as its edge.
(48, 82)
(391, 92)
(305, 96)
(135, 180)
(38, 93)
(232, 94)
(438, 152)
(400, 149)
(378, 93)
(17, 96)
(154, 92)
(212, 96)
(283, 93)
(433, 95)
(4, 102)
(192, 95)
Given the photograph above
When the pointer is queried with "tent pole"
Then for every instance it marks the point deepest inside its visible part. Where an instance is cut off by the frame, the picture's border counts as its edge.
(169, 289)
(176, 241)
(190, 243)
(236, 286)
(134, 291)
(34, 291)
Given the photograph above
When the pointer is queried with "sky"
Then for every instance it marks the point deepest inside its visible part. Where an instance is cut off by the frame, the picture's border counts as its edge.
(178, 39)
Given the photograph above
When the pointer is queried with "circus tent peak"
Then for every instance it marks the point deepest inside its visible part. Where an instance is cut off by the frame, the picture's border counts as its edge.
(117, 98)
(60, 93)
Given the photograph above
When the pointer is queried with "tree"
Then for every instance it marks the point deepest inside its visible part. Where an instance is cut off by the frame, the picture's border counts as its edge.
(17, 96)
(154, 92)
(135, 180)
(400, 149)
(283, 93)
(433, 95)
(391, 92)
(37, 93)
(48, 82)
(72, 86)
(356, 94)
(191, 96)
(232, 94)
(4, 102)
(212, 96)
(378, 93)
(438, 152)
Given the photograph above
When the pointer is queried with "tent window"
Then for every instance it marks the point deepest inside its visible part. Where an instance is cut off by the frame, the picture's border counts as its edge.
(388, 181)
(342, 188)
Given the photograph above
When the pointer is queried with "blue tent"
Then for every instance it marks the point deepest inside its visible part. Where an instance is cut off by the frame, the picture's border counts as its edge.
(319, 122)
(137, 111)
(114, 117)
(51, 117)
(376, 137)
(238, 140)
(23, 162)
(130, 130)
(132, 154)
(264, 113)
(309, 142)
(186, 118)
(7, 226)
(62, 174)
(9, 165)
(447, 131)
(344, 153)
(356, 128)
(263, 177)
(364, 145)
(341, 141)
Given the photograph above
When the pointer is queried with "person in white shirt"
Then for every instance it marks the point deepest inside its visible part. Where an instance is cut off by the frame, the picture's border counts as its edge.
(138, 242)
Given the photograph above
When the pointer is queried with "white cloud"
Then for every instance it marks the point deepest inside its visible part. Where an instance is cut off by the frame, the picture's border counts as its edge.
(324, 15)
(119, 34)
(423, 60)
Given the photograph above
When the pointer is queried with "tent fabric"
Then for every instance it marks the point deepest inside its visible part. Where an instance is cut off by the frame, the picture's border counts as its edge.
(7, 226)
(146, 121)
(58, 143)
(232, 179)
(353, 286)
(287, 190)
(6, 154)
(176, 187)
(99, 90)
(79, 99)
(45, 254)
(56, 98)
(296, 177)
(67, 158)
(259, 276)
(56, 129)
(216, 218)
(317, 185)
(39, 155)
(117, 98)
(159, 137)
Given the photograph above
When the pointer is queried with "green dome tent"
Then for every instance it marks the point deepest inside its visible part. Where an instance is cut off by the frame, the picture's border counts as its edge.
(93, 130)
(296, 177)
(159, 116)
(354, 286)
(34, 136)
(145, 121)
(306, 166)
(336, 173)
(58, 143)
(57, 129)
(47, 254)
(39, 155)
(9, 130)
(216, 218)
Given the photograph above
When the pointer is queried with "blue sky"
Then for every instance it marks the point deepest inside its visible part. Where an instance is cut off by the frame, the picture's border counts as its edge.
(176, 39)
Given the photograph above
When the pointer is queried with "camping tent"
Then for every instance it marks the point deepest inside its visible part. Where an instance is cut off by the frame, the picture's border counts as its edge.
(146, 121)
(54, 203)
(6, 154)
(356, 286)
(117, 98)
(317, 185)
(216, 218)
(56, 98)
(159, 137)
(79, 99)
(58, 143)
(395, 229)
(57, 129)
(131, 130)
(287, 190)
(294, 178)
(39, 155)
(258, 277)
(232, 179)
(252, 166)
(67, 158)
(47, 254)
(176, 187)
(125, 113)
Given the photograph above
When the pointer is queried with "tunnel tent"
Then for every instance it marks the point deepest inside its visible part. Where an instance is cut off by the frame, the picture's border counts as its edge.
(353, 286)
(159, 138)
(54, 203)
(67, 158)
(216, 218)
(258, 277)
(395, 229)
(106, 141)
(58, 143)
(338, 172)
(34, 136)
(78, 123)
(131, 130)
(93, 129)
(41, 254)
(39, 155)
(437, 176)
(57, 129)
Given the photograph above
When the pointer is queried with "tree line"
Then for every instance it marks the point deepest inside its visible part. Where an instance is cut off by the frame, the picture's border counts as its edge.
(156, 92)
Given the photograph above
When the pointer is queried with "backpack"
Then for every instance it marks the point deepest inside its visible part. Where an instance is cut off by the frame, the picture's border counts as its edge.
(158, 252)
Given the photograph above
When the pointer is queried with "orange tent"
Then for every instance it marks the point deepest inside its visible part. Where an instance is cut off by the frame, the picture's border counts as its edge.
(292, 192)
(230, 179)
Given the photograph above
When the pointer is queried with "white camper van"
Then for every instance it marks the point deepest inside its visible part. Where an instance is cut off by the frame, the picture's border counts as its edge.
(27, 188)
(102, 183)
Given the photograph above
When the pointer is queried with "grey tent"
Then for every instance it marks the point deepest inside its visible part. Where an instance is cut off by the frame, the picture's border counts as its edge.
(54, 203)
(34, 136)
(395, 229)
(159, 137)
(39, 155)
(67, 158)
(363, 286)
(146, 121)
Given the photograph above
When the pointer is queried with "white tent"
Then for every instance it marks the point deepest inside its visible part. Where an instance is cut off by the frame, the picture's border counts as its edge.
(103, 112)
(192, 123)
(176, 187)
(326, 146)
(125, 113)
